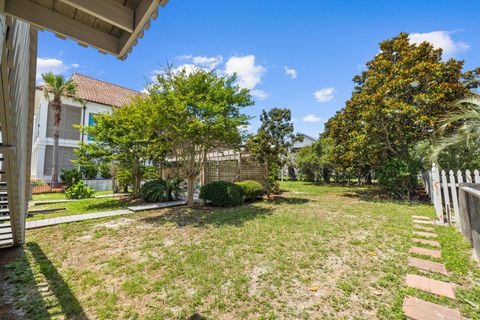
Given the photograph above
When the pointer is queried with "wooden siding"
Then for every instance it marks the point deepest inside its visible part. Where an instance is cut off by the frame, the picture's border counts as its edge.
(17, 82)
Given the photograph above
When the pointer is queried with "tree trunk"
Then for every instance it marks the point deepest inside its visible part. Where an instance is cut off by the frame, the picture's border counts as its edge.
(190, 190)
(137, 184)
(57, 108)
(56, 136)
(266, 176)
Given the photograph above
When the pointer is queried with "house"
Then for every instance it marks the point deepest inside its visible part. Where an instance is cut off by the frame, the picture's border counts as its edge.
(307, 141)
(112, 27)
(98, 97)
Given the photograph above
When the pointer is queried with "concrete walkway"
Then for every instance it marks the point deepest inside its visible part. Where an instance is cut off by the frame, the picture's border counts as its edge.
(96, 215)
(79, 217)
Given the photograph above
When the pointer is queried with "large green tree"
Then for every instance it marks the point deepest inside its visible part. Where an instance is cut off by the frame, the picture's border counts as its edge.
(55, 87)
(272, 143)
(194, 112)
(396, 103)
(125, 138)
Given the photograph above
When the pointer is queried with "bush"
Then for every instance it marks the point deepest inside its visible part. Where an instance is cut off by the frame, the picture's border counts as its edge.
(70, 176)
(222, 194)
(399, 178)
(154, 191)
(79, 190)
(174, 188)
(252, 190)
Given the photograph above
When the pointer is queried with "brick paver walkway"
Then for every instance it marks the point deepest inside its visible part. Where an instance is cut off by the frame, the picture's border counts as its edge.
(432, 243)
(426, 252)
(440, 288)
(417, 309)
(427, 265)
(423, 228)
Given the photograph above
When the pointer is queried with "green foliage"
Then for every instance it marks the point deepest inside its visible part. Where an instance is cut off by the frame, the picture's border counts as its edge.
(79, 190)
(89, 172)
(155, 191)
(399, 178)
(160, 190)
(208, 107)
(70, 176)
(174, 187)
(314, 161)
(396, 103)
(104, 168)
(222, 194)
(272, 143)
(459, 146)
(252, 190)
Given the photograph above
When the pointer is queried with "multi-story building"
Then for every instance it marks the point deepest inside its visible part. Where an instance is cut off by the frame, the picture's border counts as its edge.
(98, 96)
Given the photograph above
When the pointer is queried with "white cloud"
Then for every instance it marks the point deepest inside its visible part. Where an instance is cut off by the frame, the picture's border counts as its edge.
(260, 94)
(249, 74)
(325, 94)
(312, 118)
(208, 62)
(292, 73)
(440, 39)
(54, 65)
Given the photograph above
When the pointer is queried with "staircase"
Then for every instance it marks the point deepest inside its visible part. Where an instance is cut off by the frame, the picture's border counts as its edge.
(6, 236)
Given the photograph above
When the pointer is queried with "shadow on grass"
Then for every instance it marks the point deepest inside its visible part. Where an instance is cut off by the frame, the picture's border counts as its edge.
(196, 316)
(184, 217)
(108, 205)
(287, 200)
(375, 195)
(35, 298)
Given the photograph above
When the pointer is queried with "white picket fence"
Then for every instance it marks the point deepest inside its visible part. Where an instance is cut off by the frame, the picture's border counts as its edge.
(442, 188)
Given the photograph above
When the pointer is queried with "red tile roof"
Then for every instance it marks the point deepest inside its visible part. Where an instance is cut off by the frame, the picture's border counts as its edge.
(99, 91)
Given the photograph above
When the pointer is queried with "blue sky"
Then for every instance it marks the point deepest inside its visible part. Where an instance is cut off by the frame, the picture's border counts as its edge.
(296, 54)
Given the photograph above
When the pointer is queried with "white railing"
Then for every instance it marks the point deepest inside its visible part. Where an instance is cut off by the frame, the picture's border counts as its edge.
(442, 188)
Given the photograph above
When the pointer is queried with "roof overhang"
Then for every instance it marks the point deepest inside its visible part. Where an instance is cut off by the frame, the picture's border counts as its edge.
(111, 26)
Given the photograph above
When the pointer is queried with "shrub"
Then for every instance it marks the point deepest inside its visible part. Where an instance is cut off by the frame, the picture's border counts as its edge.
(79, 190)
(252, 190)
(174, 187)
(154, 191)
(399, 178)
(70, 176)
(222, 194)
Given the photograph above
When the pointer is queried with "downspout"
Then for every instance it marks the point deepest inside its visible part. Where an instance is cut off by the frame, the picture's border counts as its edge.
(84, 107)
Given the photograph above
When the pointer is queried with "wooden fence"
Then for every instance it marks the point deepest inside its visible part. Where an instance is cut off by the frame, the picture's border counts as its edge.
(443, 189)
(240, 167)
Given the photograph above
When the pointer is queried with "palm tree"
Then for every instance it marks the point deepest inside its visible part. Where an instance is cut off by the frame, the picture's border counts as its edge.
(55, 87)
(468, 118)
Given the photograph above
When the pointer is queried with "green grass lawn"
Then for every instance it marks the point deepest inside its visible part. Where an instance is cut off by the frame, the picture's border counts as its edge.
(60, 195)
(77, 207)
(314, 253)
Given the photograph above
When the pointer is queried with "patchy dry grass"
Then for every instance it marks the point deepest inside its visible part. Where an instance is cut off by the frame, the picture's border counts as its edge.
(314, 253)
